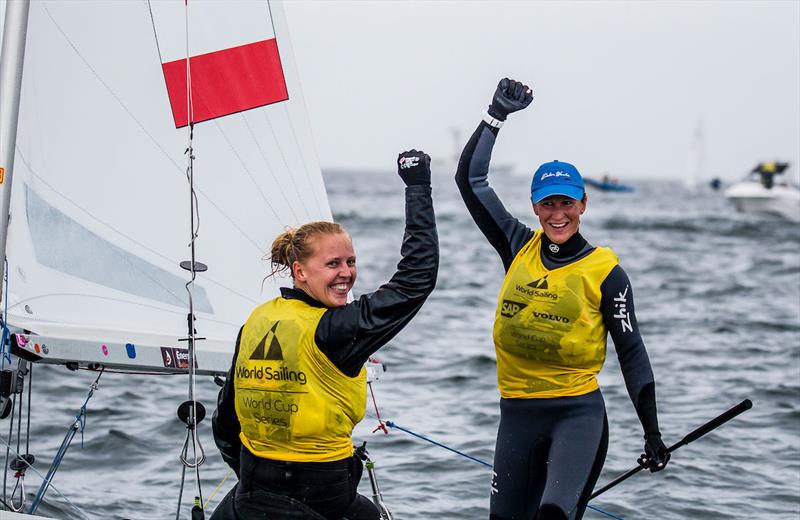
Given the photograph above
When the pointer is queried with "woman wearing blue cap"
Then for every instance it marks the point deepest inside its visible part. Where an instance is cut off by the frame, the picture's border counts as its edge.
(560, 298)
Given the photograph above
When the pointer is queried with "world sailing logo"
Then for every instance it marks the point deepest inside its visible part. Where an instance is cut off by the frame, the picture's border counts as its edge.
(541, 283)
(274, 353)
(269, 349)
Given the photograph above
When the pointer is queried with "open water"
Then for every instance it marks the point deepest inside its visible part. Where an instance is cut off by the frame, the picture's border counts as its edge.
(718, 303)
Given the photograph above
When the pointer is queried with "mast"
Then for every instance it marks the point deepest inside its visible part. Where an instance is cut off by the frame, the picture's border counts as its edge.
(11, 59)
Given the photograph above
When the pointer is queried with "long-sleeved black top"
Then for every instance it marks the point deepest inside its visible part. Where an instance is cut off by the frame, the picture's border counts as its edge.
(349, 334)
(508, 235)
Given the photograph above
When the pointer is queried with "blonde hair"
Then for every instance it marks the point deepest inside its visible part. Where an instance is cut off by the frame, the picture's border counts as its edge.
(294, 244)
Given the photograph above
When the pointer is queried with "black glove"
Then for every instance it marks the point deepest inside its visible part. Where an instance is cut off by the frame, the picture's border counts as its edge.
(655, 456)
(414, 168)
(510, 96)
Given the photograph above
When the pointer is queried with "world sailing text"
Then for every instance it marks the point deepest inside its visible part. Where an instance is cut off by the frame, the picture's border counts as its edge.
(269, 374)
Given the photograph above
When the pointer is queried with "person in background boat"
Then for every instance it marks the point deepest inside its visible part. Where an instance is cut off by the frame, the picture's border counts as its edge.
(559, 299)
(297, 384)
(768, 170)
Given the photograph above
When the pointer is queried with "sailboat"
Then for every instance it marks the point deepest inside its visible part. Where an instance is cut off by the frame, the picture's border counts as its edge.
(146, 193)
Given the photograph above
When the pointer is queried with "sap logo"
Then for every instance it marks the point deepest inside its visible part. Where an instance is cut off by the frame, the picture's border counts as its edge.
(274, 352)
(555, 174)
(541, 283)
(408, 162)
(510, 308)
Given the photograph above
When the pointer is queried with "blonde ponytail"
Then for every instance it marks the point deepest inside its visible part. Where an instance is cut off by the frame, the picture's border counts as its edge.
(295, 244)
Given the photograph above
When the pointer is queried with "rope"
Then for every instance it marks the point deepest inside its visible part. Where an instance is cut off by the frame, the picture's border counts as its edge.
(381, 425)
(227, 475)
(391, 424)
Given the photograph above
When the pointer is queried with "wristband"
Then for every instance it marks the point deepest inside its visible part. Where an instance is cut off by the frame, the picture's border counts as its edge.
(491, 121)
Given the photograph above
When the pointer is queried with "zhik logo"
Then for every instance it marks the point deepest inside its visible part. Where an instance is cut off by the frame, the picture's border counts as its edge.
(510, 308)
(541, 283)
(621, 305)
(274, 353)
(408, 162)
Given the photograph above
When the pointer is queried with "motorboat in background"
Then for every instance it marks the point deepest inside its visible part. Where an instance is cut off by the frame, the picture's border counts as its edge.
(767, 190)
(608, 184)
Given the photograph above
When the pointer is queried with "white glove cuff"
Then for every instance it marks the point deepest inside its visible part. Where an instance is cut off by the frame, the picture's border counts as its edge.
(489, 120)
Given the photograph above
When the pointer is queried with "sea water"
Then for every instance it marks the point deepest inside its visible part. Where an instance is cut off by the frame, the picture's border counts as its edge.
(718, 303)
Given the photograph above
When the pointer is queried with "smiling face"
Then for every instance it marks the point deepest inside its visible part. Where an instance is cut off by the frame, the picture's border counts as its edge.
(560, 216)
(329, 273)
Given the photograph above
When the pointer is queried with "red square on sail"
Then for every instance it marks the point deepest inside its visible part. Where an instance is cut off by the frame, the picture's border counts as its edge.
(226, 81)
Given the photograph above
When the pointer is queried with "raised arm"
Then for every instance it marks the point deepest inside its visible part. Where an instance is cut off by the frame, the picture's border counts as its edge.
(350, 334)
(503, 231)
(619, 316)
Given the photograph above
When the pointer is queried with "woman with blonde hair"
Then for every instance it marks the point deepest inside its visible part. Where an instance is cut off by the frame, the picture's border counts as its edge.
(297, 384)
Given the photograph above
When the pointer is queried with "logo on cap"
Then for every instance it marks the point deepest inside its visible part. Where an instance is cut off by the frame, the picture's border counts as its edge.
(555, 174)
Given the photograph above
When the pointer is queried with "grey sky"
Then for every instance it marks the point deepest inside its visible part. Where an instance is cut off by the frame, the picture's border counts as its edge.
(619, 86)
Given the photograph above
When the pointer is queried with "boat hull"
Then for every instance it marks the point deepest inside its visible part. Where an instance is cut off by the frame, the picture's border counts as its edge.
(752, 197)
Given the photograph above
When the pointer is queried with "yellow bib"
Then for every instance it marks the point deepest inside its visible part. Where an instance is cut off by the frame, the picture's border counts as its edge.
(293, 404)
(549, 334)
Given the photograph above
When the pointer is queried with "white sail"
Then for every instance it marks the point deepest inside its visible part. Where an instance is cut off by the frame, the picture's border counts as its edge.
(100, 211)
(695, 168)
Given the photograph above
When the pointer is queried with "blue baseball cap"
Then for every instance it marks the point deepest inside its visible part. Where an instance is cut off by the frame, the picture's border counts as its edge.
(556, 178)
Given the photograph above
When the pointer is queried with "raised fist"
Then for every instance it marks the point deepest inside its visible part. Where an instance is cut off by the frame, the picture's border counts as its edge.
(414, 168)
(509, 97)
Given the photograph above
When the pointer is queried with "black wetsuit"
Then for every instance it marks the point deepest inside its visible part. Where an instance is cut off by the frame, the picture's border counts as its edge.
(549, 452)
(347, 335)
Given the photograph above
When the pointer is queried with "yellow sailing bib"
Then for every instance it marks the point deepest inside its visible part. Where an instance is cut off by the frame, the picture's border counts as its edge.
(549, 334)
(292, 402)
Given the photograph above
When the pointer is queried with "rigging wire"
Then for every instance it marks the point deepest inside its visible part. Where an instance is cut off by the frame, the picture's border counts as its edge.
(78, 424)
(194, 220)
(51, 485)
(392, 424)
